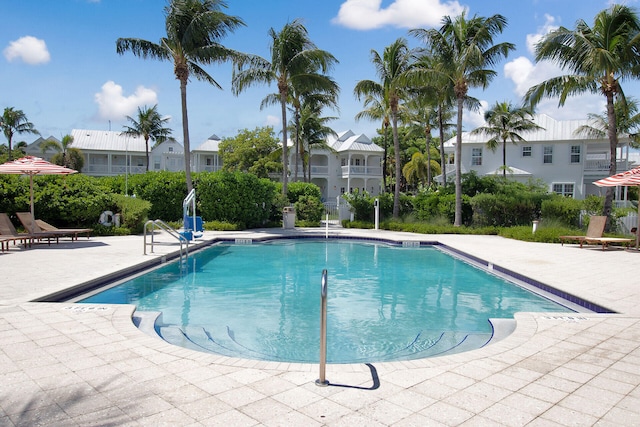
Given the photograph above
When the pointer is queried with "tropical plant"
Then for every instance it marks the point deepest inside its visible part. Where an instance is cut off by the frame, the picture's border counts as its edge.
(597, 59)
(465, 50)
(505, 122)
(149, 125)
(66, 155)
(627, 122)
(313, 131)
(389, 93)
(295, 62)
(377, 108)
(253, 151)
(194, 30)
(15, 122)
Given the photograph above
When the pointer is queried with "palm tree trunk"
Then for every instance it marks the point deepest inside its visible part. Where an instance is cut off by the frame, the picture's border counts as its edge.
(285, 160)
(146, 150)
(427, 138)
(297, 156)
(385, 126)
(612, 132)
(504, 159)
(396, 147)
(457, 221)
(443, 163)
(185, 135)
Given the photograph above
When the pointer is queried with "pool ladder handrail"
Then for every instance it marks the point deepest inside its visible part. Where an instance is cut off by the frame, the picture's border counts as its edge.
(184, 252)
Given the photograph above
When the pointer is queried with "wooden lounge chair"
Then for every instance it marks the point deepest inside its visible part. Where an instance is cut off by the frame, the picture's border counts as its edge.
(594, 234)
(71, 232)
(9, 233)
(33, 227)
(594, 231)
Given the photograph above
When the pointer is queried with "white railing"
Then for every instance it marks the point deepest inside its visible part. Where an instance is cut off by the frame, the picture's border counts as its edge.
(361, 170)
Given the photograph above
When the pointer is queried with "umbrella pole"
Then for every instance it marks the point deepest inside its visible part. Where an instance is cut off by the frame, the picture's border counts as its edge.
(638, 224)
(33, 218)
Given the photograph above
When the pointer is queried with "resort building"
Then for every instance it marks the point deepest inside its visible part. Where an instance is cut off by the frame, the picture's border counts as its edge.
(349, 161)
(567, 160)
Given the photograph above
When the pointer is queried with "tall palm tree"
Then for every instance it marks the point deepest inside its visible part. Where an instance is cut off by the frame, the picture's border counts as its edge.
(68, 156)
(466, 51)
(296, 62)
(314, 131)
(505, 122)
(194, 30)
(149, 125)
(376, 107)
(15, 122)
(396, 59)
(627, 122)
(597, 59)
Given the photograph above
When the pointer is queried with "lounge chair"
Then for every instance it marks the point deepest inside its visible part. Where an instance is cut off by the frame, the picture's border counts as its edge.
(594, 234)
(71, 232)
(41, 227)
(34, 228)
(594, 231)
(8, 232)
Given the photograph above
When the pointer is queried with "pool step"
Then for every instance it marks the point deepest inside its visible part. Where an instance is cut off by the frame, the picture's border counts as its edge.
(221, 340)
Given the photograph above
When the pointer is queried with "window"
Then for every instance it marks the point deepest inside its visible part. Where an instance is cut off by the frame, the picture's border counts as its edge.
(476, 156)
(343, 162)
(527, 151)
(563, 188)
(171, 149)
(341, 190)
(357, 162)
(547, 156)
(575, 154)
(209, 161)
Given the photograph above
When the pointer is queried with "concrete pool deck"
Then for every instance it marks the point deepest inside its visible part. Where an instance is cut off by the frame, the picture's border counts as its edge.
(67, 364)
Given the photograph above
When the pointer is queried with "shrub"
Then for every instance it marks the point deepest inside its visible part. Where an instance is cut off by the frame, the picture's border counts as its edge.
(134, 211)
(502, 210)
(165, 190)
(236, 198)
(296, 190)
(563, 209)
(310, 209)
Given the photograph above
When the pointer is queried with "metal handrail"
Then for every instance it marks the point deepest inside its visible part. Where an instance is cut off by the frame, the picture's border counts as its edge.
(322, 380)
(172, 232)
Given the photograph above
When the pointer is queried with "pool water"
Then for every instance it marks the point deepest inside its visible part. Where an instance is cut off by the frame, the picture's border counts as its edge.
(385, 302)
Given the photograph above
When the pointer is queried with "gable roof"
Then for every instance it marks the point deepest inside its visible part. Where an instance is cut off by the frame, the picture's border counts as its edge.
(102, 140)
(210, 145)
(348, 141)
(553, 130)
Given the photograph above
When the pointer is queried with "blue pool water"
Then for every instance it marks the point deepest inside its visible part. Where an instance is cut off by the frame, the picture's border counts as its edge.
(385, 302)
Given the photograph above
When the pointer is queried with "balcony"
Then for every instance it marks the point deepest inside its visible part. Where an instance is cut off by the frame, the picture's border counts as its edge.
(373, 171)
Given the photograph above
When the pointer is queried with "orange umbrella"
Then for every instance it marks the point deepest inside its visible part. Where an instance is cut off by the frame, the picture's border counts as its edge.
(628, 178)
(30, 165)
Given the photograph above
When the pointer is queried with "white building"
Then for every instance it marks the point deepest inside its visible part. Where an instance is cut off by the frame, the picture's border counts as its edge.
(348, 161)
(566, 161)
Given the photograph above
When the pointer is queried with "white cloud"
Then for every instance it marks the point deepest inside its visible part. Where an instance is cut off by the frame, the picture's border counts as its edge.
(368, 14)
(475, 119)
(29, 49)
(272, 121)
(523, 72)
(113, 105)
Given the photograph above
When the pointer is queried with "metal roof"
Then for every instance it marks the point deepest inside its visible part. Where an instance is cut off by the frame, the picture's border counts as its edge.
(348, 141)
(210, 145)
(102, 140)
(553, 130)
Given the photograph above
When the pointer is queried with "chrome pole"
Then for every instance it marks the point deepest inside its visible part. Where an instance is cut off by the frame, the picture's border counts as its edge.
(322, 381)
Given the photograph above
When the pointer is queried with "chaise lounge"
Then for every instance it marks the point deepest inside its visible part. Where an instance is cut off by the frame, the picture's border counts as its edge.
(594, 234)
(8, 233)
(38, 226)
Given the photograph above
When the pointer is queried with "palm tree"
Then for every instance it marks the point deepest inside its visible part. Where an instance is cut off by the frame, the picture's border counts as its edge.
(597, 60)
(67, 155)
(466, 50)
(313, 130)
(194, 30)
(149, 125)
(417, 169)
(504, 123)
(627, 122)
(395, 61)
(295, 62)
(15, 122)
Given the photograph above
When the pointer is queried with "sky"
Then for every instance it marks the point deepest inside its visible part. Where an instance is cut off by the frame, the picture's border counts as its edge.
(59, 65)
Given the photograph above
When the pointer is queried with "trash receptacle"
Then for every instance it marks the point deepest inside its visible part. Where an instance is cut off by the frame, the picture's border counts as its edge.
(289, 217)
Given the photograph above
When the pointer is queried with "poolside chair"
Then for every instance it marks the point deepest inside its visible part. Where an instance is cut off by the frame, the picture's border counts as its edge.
(39, 226)
(8, 233)
(594, 231)
(594, 234)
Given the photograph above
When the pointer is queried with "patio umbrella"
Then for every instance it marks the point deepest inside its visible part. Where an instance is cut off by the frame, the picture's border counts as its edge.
(628, 178)
(30, 165)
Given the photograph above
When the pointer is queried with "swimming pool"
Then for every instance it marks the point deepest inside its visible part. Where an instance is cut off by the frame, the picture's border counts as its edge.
(385, 302)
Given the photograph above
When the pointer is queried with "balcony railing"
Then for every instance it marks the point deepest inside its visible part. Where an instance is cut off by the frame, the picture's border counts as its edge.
(361, 171)
(602, 165)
